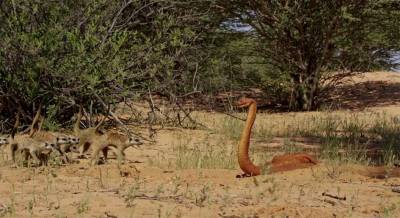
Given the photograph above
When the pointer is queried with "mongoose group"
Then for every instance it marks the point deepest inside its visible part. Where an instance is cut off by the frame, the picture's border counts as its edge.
(38, 144)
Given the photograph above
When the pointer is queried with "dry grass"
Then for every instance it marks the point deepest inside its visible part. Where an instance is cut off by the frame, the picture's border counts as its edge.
(191, 173)
(343, 135)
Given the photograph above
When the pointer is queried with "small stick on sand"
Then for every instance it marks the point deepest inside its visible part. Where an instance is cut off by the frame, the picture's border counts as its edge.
(333, 196)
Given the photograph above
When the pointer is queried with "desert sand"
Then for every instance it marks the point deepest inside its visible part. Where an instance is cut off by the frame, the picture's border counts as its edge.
(158, 179)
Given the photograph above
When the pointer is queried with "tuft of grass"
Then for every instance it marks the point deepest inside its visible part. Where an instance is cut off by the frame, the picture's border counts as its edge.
(230, 127)
(202, 196)
(54, 160)
(83, 205)
(132, 192)
(209, 156)
(161, 161)
(386, 132)
(388, 211)
(10, 210)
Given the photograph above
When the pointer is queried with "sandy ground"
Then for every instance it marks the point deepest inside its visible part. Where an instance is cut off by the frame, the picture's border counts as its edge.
(139, 190)
(150, 184)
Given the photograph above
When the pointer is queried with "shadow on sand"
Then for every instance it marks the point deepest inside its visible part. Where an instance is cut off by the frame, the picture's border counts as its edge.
(365, 94)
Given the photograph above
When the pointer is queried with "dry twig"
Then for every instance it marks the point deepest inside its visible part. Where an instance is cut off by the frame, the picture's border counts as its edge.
(334, 196)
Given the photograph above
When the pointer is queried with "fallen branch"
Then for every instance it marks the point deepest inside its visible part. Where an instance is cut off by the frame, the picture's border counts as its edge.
(188, 94)
(111, 113)
(115, 191)
(176, 198)
(118, 120)
(187, 115)
(333, 196)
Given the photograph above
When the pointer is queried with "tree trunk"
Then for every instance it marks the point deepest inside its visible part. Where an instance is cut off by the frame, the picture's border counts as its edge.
(303, 92)
(297, 97)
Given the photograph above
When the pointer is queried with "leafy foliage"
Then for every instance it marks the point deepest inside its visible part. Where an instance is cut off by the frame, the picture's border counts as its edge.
(307, 40)
(63, 53)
